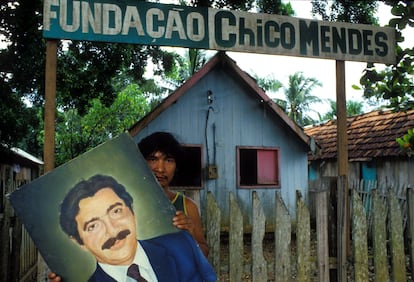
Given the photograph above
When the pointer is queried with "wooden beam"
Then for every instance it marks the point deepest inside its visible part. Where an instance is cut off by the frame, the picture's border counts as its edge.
(342, 157)
(50, 105)
(49, 127)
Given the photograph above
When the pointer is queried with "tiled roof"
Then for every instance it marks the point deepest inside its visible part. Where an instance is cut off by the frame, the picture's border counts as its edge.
(370, 135)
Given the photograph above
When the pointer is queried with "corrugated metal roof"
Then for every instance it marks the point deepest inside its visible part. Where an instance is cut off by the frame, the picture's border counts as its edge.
(27, 156)
(370, 135)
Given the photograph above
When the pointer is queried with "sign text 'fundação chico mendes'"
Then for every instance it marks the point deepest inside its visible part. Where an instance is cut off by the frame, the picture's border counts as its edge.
(149, 23)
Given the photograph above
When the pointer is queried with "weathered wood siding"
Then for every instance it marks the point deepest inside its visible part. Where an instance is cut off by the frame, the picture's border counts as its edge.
(389, 171)
(234, 118)
(304, 257)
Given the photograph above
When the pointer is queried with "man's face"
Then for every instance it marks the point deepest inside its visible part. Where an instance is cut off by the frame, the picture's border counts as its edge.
(163, 167)
(107, 228)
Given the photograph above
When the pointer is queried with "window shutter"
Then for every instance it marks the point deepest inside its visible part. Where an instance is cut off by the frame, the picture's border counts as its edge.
(266, 170)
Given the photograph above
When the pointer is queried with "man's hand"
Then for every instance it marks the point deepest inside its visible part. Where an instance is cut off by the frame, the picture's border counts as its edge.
(182, 221)
(53, 277)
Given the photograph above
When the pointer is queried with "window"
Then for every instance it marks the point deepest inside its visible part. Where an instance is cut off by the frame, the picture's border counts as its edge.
(258, 167)
(188, 176)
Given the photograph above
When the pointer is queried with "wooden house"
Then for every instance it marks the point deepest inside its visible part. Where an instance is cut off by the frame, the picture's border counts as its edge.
(236, 139)
(373, 152)
(17, 167)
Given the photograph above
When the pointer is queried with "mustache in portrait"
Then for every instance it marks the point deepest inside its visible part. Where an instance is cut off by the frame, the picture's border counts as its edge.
(111, 241)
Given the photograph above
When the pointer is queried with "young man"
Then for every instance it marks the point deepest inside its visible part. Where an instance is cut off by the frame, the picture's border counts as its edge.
(97, 214)
(164, 155)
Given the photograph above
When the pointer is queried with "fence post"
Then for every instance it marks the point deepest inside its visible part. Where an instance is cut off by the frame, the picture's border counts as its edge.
(302, 239)
(213, 231)
(282, 241)
(379, 238)
(235, 241)
(5, 238)
(15, 257)
(410, 212)
(359, 235)
(342, 229)
(332, 184)
(396, 239)
(322, 233)
(259, 265)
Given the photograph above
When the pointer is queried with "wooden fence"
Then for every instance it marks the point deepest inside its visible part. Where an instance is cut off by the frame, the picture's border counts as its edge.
(297, 250)
(18, 259)
(365, 189)
(301, 253)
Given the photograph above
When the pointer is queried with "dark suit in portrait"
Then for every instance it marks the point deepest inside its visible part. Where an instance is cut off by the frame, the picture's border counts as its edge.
(174, 258)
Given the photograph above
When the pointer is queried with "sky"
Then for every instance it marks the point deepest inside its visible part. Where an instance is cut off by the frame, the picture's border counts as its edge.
(280, 67)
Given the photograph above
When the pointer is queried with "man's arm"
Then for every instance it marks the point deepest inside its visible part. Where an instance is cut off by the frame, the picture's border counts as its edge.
(192, 223)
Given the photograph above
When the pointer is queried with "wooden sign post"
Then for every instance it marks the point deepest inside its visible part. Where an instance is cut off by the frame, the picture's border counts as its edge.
(50, 105)
(49, 124)
(343, 235)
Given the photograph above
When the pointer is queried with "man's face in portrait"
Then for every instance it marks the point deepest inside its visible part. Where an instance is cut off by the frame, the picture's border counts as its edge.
(107, 228)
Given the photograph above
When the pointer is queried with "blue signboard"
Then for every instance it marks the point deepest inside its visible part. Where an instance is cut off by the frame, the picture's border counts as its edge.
(149, 23)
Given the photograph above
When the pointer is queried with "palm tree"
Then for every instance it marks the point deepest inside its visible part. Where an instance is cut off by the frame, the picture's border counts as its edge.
(184, 66)
(268, 83)
(299, 97)
(353, 108)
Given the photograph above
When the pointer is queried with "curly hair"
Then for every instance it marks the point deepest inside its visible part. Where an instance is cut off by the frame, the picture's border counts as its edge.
(69, 207)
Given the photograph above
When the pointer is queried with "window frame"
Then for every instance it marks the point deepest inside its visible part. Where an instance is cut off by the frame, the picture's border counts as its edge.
(180, 186)
(276, 184)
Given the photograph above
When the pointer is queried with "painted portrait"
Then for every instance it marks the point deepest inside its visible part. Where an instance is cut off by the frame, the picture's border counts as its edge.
(109, 190)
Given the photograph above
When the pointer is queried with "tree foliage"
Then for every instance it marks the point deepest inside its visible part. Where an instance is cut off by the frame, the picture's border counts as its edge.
(395, 82)
(22, 62)
(77, 133)
(275, 7)
(362, 12)
(21, 73)
(268, 83)
(299, 99)
(353, 108)
(86, 71)
(406, 142)
(184, 66)
(17, 121)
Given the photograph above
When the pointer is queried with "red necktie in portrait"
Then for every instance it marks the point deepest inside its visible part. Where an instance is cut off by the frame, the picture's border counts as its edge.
(133, 272)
